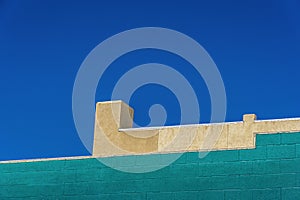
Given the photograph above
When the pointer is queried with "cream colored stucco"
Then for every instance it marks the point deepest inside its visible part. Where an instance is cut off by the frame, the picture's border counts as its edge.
(114, 136)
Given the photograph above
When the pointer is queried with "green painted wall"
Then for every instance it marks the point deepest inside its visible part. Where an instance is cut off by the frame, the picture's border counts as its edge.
(271, 171)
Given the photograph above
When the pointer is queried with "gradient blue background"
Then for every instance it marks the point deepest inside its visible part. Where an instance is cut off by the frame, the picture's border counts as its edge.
(255, 44)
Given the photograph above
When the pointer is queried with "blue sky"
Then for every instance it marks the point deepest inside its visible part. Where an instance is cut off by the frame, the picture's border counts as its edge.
(255, 44)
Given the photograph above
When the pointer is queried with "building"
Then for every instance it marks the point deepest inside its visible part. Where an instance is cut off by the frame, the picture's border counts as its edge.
(251, 159)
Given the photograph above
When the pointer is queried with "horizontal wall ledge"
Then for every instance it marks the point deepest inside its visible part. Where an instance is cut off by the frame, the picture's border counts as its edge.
(114, 135)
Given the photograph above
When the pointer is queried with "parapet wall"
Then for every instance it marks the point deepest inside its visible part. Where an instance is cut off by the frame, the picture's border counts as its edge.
(269, 169)
(114, 136)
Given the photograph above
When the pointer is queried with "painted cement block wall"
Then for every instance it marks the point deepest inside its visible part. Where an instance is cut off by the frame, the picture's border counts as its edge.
(271, 171)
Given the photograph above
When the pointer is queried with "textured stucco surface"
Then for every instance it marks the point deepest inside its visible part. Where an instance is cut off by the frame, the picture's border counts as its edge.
(113, 134)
